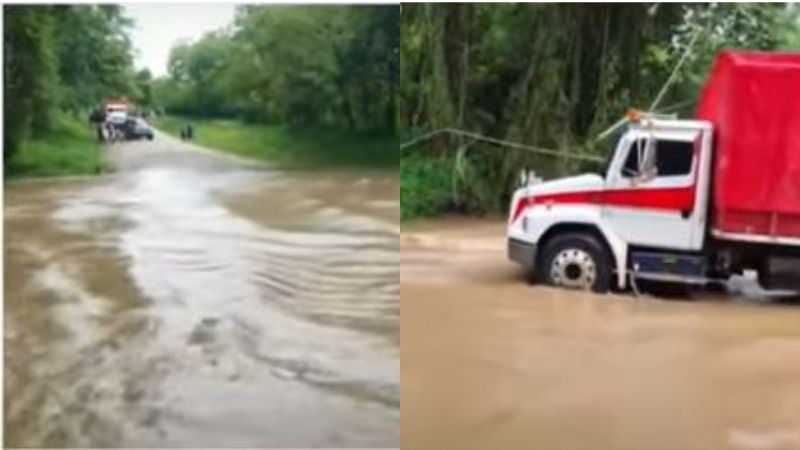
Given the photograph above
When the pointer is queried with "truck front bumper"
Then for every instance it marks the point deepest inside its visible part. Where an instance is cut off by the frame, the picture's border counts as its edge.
(522, 252)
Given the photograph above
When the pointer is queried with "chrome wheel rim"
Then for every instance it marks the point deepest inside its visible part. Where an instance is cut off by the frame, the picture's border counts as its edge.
(573, 268)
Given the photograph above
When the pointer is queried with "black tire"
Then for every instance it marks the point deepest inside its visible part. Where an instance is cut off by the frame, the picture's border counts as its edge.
(584, 246)
(149, 137)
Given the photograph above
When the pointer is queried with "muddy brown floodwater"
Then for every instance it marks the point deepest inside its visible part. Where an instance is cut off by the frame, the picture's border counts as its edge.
(193, 299)
(490, 362)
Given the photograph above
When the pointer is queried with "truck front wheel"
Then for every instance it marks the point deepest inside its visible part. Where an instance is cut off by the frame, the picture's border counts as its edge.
(575, 261)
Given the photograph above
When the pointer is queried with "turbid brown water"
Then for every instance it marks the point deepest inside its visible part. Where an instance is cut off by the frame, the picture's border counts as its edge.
(491, 362)
(193, 299)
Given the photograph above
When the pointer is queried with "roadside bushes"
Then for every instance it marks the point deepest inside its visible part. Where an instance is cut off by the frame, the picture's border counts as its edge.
(457, 181)
(425, 186)
(69, 148)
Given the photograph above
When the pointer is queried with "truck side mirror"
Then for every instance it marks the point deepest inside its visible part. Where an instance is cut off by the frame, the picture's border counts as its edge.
(528, 177)
(523, 177)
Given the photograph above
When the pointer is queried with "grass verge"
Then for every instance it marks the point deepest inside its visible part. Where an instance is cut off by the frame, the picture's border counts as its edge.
(309, 147)
(70, 148)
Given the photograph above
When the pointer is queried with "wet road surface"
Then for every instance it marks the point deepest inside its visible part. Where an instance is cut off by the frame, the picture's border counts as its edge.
(194, 299)
(490, 362)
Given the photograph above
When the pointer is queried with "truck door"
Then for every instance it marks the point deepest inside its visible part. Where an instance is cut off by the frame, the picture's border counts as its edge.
(651, 190)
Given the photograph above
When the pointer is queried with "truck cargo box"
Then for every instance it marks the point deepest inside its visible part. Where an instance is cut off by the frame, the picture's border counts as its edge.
(753, 101)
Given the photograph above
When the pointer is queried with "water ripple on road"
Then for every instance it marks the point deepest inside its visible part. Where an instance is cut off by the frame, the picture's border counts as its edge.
(173, 306)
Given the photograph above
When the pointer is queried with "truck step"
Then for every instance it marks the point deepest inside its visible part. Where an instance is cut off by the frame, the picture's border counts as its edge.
(672, 267)
(671, 278)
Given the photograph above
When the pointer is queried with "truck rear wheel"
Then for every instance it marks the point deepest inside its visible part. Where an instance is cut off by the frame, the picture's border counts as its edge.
(575, 261)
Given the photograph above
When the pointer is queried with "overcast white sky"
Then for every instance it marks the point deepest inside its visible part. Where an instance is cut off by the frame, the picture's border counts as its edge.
(159, 25)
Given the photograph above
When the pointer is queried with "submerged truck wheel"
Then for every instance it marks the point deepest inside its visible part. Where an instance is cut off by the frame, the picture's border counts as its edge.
(575, 261)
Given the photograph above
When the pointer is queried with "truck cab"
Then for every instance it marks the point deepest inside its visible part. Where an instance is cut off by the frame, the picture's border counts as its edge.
(681, 201)
(652, 195)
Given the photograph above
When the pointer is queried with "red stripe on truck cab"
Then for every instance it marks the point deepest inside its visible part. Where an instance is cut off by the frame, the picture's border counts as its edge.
(665, 199)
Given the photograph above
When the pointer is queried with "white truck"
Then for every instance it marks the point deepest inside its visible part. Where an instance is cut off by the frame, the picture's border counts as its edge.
(686, 202)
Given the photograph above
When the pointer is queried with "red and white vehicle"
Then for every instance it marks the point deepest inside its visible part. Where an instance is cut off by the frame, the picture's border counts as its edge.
(681, 201)
(117, 111)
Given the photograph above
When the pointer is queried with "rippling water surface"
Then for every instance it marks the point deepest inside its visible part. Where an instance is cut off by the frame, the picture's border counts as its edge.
(196, 301)
(492, 362)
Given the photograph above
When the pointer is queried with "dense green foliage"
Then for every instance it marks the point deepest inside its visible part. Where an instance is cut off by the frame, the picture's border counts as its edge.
(310, 147)
(555, 76)
(298, 66)
(60, 58)
(67, 148)
(425, 186)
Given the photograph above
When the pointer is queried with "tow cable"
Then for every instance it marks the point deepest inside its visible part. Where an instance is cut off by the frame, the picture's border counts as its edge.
(500, 142)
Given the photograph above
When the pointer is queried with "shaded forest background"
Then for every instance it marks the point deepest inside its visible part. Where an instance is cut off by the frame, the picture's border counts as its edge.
(550, 75)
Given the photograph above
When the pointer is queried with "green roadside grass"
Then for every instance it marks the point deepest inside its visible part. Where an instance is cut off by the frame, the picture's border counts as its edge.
(295, 148)
(70, 148)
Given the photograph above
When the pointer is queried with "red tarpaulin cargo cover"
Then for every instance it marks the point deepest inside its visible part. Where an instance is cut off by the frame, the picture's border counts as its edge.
(753, 102)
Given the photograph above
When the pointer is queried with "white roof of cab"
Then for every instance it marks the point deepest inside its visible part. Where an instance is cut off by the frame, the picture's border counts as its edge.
(676, 125)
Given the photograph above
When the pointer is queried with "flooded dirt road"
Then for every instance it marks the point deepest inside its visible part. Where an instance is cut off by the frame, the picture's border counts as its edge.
(490, 362)
(193, 299)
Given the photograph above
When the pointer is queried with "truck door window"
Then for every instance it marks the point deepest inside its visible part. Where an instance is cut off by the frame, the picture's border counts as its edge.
(674, 157)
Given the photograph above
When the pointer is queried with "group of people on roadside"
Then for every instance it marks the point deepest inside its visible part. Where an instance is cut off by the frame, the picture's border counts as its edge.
(187, 132)
(106, 129)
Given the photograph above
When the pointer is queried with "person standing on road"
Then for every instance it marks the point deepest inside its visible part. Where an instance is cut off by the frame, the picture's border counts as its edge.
(98, 118)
